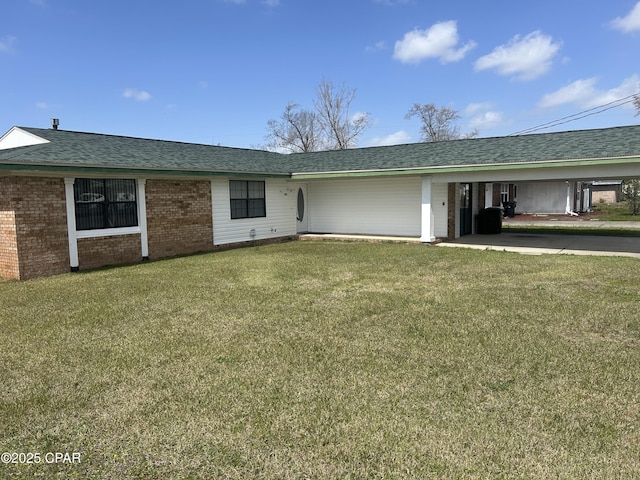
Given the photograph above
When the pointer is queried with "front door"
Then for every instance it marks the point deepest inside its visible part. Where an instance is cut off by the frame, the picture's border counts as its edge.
(466, 217)
(301, 210)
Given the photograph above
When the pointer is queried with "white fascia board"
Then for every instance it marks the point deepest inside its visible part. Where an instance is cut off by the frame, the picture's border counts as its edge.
(470, 168)
(16, 137)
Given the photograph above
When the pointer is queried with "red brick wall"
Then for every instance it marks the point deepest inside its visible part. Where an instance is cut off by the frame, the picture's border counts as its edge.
(39, 208)
(451, 210)
(178, 217)
(496, 194)
(482, 191)
(115, 250)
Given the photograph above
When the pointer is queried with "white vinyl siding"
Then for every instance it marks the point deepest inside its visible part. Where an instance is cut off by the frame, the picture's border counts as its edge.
(374, 206)
(280, 208)
(542, 197)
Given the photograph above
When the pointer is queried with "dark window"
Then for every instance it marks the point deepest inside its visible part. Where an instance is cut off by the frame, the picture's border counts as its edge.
(105, 203)
(247, 199)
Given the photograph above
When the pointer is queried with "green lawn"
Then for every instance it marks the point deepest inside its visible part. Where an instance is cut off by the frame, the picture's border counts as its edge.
(614, 212)
(327, 360)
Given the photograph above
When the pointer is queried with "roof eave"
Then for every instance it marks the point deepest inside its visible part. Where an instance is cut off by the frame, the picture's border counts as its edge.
(465, 168)
(73, 169)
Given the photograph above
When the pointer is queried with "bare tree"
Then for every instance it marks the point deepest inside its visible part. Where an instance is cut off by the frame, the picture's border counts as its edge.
(297, 131)
(636, 103)
(438, 124)
(331, 126)
(341, 128)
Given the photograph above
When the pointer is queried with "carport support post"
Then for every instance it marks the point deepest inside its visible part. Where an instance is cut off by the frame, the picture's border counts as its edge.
(568, 209)
(427, 218)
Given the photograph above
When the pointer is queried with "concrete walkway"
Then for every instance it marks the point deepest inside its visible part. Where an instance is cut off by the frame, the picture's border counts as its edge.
(364, 238)
(527, 243)
(538, 244)
(507, 222)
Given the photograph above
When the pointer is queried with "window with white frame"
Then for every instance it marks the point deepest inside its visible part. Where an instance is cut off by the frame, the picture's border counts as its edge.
(504, 192)
(105, 203)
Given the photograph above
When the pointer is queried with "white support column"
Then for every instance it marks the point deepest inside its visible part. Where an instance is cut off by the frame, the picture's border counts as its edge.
(488, 195)
(428, 221)
(71, 224)
(568, 209)
(142, 217)
(213, 216)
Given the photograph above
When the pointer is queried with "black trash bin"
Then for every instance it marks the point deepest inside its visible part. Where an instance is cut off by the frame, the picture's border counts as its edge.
(490, 221)
(509, 209)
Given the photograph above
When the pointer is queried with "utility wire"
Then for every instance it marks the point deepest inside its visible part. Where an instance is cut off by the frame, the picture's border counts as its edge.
(577, 116)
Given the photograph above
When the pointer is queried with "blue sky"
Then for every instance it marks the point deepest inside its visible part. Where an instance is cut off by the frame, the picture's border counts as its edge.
(215, 71)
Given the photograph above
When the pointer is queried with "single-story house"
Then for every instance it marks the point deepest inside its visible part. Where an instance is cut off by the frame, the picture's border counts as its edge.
(72, 200)
(603, 191)
(554, 197)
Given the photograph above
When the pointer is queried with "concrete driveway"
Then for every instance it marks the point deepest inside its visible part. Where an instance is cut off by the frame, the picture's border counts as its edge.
(537, 244)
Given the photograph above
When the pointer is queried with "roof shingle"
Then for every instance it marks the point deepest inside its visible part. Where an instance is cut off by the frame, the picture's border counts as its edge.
(90, 150)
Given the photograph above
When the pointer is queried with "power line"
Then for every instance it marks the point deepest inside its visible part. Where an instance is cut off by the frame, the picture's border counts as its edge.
(577, 116)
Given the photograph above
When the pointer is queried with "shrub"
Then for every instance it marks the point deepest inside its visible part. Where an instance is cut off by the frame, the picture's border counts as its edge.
(631, 192)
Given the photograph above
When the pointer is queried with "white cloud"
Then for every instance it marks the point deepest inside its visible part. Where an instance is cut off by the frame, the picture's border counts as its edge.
(42, 105)
(584, 94)
(578, 92)
(438, 41)
(6, 43)
(482, 116)
(271, 3)
(135, 94)
(378, 46)
(486, 120)
(397, 138)
(629, 23)
(474, 108)
(526, 58)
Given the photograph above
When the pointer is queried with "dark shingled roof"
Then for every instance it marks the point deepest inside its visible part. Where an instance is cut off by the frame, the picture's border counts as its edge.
(76, 149)
(90, 150)
(563, 146)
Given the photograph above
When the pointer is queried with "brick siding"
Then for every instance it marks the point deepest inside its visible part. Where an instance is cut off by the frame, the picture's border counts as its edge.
(451, 210)
(36, 245)
(606, 194)
(179, 217)
(604, 197)
(9, 266)
(497, 195)
(482, 192)
(114, 250)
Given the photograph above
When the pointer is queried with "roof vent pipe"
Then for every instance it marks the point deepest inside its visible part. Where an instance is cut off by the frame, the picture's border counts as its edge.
(54, 123)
